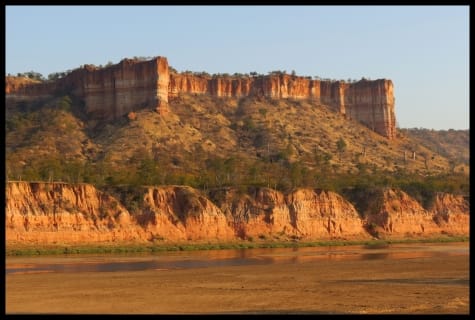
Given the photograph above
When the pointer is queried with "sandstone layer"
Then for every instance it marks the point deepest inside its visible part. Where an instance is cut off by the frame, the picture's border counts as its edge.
(40, 212)
(399, 214)
(114, 91)
(108, 93)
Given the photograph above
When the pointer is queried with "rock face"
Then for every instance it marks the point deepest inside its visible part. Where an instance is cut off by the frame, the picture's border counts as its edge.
(304, 214)
(189, 83)
(370, 102)
(41, 213)
(24, 89)
(451, 213)
(397, 214)
(182, 213)
(258, 213)
(111, 92)
(324, 214)
(108, 93)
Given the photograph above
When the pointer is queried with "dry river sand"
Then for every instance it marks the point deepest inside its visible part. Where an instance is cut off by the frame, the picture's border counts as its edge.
(418, 285)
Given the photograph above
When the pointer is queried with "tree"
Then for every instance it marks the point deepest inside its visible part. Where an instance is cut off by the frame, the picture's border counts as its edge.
(261, 138)
(65, 103)
(452, 165)
(56, 75)
(148, 172)
(341, 146)
(32, 75)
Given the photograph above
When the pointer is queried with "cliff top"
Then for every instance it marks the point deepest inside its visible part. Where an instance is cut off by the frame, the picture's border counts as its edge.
(203, 74)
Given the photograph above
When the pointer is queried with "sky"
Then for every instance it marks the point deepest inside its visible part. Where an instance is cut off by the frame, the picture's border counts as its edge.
(424, 50)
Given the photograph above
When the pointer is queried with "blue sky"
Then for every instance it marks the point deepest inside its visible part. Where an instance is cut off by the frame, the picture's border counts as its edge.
(424, 50)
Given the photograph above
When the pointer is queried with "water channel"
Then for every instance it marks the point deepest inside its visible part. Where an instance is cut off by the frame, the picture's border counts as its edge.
(233, 257)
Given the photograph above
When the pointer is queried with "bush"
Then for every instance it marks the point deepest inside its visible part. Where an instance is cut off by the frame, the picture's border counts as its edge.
(65, 103)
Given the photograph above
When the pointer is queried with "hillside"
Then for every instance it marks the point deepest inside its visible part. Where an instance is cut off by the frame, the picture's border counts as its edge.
(206, 141)
(108, 93)
(452, 144)
(140, 122)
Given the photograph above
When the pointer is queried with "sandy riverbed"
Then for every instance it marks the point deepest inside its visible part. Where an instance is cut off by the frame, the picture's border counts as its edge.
(432, 285)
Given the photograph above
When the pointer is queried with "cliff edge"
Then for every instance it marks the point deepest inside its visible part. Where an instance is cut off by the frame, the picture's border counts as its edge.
(114, 91)
(42, 213)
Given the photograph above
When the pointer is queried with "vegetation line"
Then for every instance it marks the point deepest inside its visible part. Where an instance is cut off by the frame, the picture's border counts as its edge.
(134, 248)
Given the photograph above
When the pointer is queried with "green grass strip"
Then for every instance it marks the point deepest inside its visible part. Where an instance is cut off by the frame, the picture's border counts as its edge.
(157, 247)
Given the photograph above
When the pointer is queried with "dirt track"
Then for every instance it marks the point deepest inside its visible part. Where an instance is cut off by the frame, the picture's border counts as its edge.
(409, 286)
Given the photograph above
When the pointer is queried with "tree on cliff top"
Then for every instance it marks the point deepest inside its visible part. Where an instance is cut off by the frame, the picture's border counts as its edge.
(32, 75)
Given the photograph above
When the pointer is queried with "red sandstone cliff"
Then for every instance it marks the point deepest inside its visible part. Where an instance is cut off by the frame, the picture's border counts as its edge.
(189, 83)
(114, 91)
(399, 215)
(182, 213)
(324, 214)
(451, 213)
(372, 103)
(40, 212)
(304, 214)
(109, 92)
(130, 85)
(25, 89)
(258, 213)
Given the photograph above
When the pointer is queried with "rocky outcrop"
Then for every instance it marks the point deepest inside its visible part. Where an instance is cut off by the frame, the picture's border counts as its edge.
(111, 92)
(40, 212)
(399, 215)
(369, 102)
(451, 213)
(258, 213)
(303, 214)
(372, 103)
(130, 85)
(187, 82)
(25, 89)
(324, 214)
(108, 93)
(182, 213)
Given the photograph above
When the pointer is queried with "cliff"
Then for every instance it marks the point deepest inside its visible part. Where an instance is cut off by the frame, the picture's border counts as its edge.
(25, 89)
(182, 213)
(111, 92)
(258, 213)
(397, 214)
(372, 103)
(369, 102)
(324, 214)
(108, 93)
(40, 213)
(303, 214)
(451, 213)
(189, 83)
